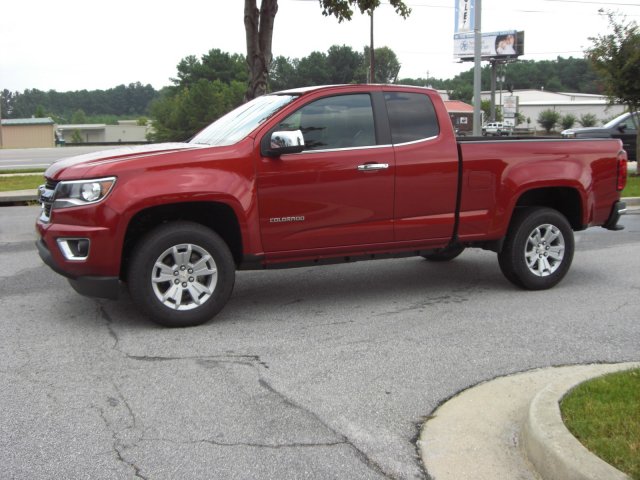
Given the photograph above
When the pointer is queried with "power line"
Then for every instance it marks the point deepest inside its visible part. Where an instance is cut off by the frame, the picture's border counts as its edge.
(615, 4)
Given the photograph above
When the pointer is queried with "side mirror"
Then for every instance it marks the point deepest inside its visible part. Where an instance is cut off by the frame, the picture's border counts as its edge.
(285, 142)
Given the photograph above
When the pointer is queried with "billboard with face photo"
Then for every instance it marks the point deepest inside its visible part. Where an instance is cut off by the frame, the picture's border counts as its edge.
(506, 44)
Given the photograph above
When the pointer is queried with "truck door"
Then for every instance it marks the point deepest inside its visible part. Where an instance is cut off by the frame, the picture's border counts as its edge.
(426, 157)
(339, 191)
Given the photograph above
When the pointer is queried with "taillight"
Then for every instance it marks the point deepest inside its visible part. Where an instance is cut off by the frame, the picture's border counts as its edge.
(622, 170)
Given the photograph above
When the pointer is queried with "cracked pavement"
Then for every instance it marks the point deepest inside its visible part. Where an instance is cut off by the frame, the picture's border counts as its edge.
(316, 373)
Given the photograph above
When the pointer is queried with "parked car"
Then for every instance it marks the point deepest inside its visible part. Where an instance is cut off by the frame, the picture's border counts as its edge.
(622, 127)
(496, 129)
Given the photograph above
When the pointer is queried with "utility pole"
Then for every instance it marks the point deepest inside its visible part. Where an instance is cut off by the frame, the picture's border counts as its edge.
(492, 115)
(477, 78)
(1, 144)
(372, 62)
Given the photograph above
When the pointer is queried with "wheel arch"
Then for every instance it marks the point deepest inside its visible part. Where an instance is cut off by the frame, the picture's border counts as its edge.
(566, 200)
(217, 216)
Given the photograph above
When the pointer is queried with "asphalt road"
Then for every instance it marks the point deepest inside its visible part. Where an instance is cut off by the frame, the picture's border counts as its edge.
(41, 157)
(315, 373)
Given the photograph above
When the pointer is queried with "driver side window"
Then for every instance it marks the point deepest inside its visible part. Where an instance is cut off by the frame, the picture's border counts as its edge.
(344, 121)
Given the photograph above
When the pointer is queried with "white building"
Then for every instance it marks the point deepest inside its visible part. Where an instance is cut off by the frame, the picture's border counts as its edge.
(125, 131)
(532, 102)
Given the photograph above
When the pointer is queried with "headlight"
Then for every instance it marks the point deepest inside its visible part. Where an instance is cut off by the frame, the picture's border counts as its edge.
(568, 134)
(82, 192)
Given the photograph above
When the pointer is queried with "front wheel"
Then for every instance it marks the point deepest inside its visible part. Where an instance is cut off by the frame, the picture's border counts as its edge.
(538, 249)
(181, 274)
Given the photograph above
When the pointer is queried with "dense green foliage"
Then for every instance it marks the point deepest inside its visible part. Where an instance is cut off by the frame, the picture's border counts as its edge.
(343, 9)
(548, 119)
(615, 56)
(205, 88)
(567, 121)
(588, 120)
(560, 75)
(131, 100)
(340, 65)
(181, 113)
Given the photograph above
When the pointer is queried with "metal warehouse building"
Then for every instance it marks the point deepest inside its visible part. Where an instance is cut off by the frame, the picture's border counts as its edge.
(27, 133)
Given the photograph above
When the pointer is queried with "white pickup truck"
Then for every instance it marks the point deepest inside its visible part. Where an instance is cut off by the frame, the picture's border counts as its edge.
(496, 129)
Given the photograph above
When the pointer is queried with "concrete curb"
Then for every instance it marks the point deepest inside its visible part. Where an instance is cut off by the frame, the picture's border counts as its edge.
(18, 196)
(632, 201)
(510, 427)
(554, 452)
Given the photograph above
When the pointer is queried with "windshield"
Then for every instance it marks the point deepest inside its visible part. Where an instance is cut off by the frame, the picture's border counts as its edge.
(238, 123)
(624, 119)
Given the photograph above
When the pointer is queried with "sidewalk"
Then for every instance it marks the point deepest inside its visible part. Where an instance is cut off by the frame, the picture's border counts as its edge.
(511, 428)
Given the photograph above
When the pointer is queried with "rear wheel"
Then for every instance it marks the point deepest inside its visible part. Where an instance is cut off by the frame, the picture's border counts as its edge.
(538, 249)
(181, 274)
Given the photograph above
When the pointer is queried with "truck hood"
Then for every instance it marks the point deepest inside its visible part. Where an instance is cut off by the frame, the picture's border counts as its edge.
(81, 163)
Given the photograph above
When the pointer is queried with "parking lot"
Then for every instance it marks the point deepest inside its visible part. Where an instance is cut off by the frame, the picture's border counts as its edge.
(317, 373)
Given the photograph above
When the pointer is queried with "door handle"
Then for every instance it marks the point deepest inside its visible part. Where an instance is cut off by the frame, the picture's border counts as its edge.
(367, 167)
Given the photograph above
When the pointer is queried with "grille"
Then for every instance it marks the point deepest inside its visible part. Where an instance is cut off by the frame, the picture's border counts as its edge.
(46, 198)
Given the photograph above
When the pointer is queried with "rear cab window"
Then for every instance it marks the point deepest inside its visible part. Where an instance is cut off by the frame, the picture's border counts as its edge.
(412, 117)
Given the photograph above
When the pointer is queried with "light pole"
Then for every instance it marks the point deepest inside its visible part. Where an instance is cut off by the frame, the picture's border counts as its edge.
(1, 144)
(477, 79)
(501, 79)
(372, 59)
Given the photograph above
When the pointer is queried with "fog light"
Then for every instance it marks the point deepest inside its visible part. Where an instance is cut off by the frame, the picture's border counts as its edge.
(74, 248)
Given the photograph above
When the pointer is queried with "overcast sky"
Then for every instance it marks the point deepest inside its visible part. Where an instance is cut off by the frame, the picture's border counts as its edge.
(74, 44)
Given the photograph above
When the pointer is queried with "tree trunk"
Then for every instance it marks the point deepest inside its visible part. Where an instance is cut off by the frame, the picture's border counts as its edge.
(259, 30)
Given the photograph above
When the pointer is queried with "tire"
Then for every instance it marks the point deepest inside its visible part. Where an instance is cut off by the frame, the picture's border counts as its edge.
(538, 249)
(163, 274)
(444, 254)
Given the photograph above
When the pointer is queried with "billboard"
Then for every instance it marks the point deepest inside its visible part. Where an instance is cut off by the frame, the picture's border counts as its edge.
(465, 16)
(506, 44)
(510, 106)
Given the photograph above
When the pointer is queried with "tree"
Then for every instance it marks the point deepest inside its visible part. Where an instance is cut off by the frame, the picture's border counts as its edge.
(588, 120)
(567, 121)
(180, 114)
(79, 117)
(616, 58)
(76, 137)
(386, 64)
(313, 70)
(462, 92)
(259, 24)
(548, 119)
(345, 65)
(283, 74)
(214, 65)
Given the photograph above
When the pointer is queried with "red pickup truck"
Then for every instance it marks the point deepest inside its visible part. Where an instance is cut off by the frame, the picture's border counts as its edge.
(315, 176)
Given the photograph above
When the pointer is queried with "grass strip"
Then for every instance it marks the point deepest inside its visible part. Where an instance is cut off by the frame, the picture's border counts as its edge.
(33, 181)
(604, 414)
(22, 170)
(9, 183)
(633, 186)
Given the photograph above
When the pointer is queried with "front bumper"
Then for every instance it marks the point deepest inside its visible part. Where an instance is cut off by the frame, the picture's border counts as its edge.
(618, 209)
(91, 286)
